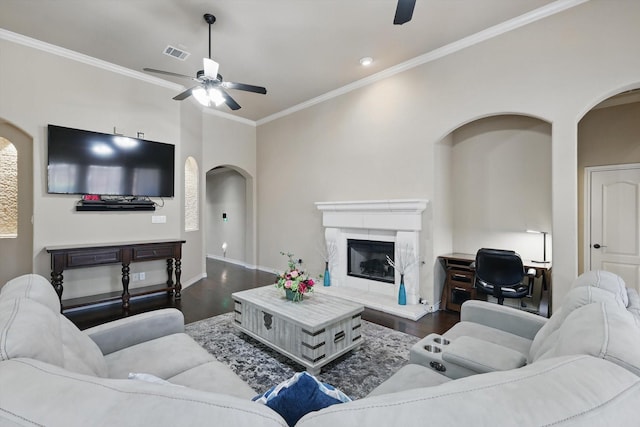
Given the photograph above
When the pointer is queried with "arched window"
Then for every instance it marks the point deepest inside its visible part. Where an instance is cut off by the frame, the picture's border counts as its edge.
(8, 189)
(191, 205)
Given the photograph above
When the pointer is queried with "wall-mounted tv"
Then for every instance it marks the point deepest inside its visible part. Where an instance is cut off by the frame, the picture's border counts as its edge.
(84, 162)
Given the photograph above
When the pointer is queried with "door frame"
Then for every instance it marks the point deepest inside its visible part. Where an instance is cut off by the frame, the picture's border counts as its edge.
(586, 249)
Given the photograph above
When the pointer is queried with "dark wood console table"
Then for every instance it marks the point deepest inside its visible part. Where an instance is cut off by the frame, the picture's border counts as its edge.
(81, 256)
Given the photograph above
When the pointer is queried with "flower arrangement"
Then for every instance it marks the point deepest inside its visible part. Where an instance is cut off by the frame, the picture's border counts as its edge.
(294, 281)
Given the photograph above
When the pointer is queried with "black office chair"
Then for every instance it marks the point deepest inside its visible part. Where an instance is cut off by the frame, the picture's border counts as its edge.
(500, 273)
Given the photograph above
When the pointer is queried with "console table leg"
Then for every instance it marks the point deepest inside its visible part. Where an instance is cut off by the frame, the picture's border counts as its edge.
(170, 275)
(56, 282)
(125, 286)
(178, 286)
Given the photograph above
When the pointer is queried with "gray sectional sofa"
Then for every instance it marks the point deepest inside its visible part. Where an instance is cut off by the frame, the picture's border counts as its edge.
(581, 367)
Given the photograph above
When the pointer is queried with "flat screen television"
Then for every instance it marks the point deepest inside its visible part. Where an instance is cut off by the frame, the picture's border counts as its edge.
(84, 162)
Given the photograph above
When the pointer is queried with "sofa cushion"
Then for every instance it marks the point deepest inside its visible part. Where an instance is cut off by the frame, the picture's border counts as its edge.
(163, 357)
(578, 297)
(605, 280)
(634, 302)
(486, 333)
(33, 287)
(410, 376)
(80, 353)
(482, 356)
(601, 330)
(29, 329)
(216, 377)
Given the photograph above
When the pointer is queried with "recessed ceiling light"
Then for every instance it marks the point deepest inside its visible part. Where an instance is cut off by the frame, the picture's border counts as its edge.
(366, 61)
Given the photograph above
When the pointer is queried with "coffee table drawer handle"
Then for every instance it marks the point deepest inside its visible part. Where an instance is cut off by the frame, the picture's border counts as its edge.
(339, 337)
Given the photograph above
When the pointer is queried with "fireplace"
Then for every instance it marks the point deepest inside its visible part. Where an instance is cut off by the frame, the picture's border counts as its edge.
(367, 259)
(378, 228)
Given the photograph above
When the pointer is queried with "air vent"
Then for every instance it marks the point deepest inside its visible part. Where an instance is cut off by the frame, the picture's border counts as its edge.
(176, 53)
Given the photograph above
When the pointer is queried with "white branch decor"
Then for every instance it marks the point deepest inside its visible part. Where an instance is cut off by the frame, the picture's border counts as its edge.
(328, 251)
(405, 260)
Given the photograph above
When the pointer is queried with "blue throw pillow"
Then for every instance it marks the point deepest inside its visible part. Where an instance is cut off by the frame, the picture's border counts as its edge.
(298, 396)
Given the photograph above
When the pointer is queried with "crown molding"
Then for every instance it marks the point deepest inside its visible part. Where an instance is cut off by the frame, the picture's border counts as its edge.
(491, 32)
(85, 59)
(229, 116)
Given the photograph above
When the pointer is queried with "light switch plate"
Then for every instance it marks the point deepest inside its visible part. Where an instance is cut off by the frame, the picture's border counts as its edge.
(158, 219)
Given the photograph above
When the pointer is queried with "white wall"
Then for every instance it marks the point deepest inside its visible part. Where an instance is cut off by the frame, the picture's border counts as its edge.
(226, 193)
(383, 141)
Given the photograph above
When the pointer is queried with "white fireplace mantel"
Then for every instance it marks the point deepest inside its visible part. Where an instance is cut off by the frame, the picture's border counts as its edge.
(398, 221)
(404, 215)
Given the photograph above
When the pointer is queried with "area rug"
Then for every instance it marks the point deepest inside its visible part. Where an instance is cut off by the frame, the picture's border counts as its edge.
(382, 353)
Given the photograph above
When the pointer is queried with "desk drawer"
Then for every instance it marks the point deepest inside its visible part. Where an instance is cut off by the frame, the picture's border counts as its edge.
(150, 253)
(97, 257)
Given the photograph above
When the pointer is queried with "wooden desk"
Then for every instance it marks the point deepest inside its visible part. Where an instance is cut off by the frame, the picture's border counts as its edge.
(460, 277)
(81, 256)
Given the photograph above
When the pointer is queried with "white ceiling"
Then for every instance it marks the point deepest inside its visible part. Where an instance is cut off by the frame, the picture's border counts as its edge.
(298, 49)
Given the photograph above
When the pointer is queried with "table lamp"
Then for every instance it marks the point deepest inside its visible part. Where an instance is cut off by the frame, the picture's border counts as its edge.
(544, 245)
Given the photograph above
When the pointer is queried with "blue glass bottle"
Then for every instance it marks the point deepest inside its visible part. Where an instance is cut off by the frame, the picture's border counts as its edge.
(402, 293)
(327, 276)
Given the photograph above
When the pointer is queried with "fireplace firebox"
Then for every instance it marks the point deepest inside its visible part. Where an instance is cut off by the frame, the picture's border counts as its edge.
(367, 259)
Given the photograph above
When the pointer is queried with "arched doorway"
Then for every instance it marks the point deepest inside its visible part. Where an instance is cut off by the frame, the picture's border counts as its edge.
(607, 141)
(228, 213)
(16, 244)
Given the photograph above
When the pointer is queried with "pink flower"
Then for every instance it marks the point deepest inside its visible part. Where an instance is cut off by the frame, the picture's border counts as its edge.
(310, 282)
(287, 284)
(302, 288)
(294, 274)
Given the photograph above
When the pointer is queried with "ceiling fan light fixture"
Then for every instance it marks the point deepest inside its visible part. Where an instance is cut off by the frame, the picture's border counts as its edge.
(366, 61)
(200, 94)
(215, 96)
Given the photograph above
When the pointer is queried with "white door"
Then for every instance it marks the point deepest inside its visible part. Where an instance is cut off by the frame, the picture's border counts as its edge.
(615, 222)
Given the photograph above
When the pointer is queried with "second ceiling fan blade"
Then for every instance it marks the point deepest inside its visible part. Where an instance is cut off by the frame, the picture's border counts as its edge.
(185, 94)
(246, 87)
(404, 11)
(229, 100)
(166, 73)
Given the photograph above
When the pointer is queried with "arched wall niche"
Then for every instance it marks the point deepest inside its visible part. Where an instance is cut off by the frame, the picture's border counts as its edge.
(229, 214)
(492, 178)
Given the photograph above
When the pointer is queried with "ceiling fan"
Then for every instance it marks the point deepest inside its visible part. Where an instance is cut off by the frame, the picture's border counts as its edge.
(210, 89)
(404, 11)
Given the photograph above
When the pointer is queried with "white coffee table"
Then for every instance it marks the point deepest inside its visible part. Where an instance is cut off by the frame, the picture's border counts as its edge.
(312, 332)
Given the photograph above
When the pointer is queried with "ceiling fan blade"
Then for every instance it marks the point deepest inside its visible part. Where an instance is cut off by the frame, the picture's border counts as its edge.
(166, 73)
(210, 68)
(230, 101)
(185, 94)
(404, 11)
(246, 87)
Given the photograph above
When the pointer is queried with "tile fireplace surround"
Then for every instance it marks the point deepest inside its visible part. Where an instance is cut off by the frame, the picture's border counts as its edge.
(397, 221)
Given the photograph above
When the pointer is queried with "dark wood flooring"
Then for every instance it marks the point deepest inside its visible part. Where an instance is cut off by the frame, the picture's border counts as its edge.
(211, 296)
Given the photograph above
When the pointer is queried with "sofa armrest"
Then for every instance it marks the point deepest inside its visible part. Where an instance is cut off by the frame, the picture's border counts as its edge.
(123, 333)
(507, 319)
(482, 356)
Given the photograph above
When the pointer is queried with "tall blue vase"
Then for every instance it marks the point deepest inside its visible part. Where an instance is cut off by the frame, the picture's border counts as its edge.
(402, 292)
(327, 276)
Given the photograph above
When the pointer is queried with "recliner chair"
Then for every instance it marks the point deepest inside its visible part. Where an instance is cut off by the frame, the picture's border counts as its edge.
(500, 273)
